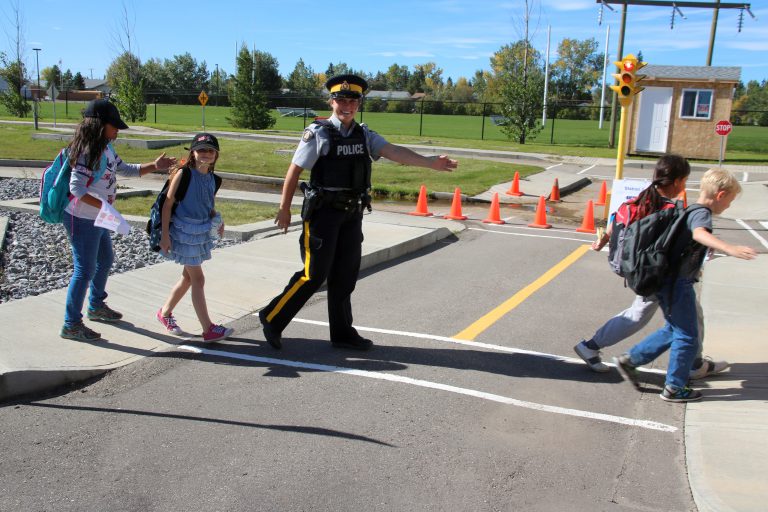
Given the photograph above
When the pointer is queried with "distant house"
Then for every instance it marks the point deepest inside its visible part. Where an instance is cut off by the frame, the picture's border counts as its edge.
(388, 95)
(97, 84)
(679, 108)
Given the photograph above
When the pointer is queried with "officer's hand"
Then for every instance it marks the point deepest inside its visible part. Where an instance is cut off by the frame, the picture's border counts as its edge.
(443, 163)
(283, 219)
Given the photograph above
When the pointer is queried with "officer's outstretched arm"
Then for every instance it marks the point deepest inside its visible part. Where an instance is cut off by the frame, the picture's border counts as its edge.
(405, 156)
(283, 219)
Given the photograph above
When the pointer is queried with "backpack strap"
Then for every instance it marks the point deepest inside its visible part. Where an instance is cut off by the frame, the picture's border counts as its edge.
(217, 180)
(186, 177)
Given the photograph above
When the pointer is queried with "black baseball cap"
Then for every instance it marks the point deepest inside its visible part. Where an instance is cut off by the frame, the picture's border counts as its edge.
(204, 140)
(106, 111)
(346, 86)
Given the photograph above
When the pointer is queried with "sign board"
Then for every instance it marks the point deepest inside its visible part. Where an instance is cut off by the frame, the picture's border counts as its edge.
(625, 189)
(723, 128)
(203, 98)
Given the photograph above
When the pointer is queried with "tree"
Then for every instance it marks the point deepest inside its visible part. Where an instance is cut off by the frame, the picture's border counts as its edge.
(266, 71)
(397, 77)
(520, 78)
(13, 70)
(52, 76)
(185, 78)
(67, 80)
(156, 79)
(577, 70)
(249, 106)
(302, 80)
(12, 99)
(124, 74)
(78, 81)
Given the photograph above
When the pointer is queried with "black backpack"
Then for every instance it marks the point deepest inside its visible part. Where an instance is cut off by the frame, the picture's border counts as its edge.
(155, 222)
(645, 250)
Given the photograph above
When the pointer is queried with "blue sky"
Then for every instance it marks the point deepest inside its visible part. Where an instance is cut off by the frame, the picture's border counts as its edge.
(459, 35)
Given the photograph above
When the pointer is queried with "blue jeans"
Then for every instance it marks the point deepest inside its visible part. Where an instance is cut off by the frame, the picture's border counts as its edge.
(680, 333)
(92, 257)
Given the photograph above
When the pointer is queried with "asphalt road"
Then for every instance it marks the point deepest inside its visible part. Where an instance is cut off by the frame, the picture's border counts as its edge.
(505, 421)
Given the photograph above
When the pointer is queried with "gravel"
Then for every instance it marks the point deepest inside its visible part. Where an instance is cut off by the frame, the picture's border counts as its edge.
(36, 257)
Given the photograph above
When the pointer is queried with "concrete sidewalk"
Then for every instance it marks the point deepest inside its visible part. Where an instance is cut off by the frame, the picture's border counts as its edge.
(241, 280)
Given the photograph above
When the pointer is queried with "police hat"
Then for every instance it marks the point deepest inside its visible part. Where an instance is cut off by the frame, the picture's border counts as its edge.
(346, 86)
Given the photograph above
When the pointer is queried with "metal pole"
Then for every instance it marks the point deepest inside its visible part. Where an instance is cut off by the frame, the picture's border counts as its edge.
(622, 137)
(605, 67)
(37, 95)
(482, 129)
(546, 78)
(722, 146)
(715, 12)
(421, 116)
(218, 89)
(612, 133)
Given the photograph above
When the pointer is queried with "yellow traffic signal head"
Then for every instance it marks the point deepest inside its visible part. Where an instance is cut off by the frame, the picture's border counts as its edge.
(627, 79)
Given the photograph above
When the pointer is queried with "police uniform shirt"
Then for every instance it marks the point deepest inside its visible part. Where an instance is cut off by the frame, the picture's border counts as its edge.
(316, 142)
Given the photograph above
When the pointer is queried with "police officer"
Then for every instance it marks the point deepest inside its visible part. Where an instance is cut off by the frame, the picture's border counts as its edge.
(339, 152)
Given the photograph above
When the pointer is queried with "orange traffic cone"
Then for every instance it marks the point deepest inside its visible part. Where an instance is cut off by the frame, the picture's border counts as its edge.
(603, 194)
(541, 215)
(494, 215)
(555, 194)
(514, 189)
(421, 204)
(456, 207)
(588, 224)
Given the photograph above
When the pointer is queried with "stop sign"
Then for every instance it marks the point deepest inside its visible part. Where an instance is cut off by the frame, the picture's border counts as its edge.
(723, 127)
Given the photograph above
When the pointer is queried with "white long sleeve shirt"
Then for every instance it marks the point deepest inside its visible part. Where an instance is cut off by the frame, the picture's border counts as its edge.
(105, 188)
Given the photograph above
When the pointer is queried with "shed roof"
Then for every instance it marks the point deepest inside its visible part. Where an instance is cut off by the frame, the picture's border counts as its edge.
(704, 73)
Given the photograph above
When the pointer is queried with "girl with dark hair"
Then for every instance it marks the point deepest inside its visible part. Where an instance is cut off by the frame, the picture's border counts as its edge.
(92, 156)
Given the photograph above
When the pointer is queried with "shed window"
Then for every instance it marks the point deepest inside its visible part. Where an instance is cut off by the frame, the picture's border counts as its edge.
(696, 104)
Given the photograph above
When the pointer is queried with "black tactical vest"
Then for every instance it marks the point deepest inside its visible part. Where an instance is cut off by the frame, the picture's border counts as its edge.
(347, 164)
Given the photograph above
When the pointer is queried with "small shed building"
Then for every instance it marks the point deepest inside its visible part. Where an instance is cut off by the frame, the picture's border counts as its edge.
(679, 108)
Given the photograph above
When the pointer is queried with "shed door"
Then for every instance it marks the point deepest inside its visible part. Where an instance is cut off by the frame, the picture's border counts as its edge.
(653, 124)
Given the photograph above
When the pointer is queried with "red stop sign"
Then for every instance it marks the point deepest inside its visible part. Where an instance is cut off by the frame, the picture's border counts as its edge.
(723, 127)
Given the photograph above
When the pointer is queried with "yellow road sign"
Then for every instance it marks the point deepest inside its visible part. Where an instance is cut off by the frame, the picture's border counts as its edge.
(203, 98)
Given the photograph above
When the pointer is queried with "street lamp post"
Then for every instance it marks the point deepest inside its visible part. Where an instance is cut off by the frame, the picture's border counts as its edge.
(37, 61)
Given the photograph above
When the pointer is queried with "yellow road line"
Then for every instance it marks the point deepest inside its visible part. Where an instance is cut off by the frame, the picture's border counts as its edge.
(474, 330)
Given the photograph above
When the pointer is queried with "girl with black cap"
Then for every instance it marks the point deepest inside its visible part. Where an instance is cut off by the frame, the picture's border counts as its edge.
(95, 166)
(186, 233)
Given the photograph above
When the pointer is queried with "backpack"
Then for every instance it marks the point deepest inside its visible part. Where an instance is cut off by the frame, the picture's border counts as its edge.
(643, 247)
(155, 223)
(54, 186)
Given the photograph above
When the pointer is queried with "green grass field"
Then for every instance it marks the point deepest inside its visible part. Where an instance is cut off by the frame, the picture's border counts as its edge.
(261, 159)
(747, 144)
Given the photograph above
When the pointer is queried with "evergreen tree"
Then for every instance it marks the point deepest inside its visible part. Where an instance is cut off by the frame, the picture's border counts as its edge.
(249, 105)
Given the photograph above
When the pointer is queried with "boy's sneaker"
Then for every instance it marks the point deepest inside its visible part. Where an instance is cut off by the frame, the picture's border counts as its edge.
(169, 323)
(104, 314)
(216, 333)
(627, 370)
(685, 394)
(708, 367)
(591, 357)
(79, 332)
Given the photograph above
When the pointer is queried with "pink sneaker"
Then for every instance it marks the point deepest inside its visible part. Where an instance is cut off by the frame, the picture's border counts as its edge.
(169, 323)
(216, 333)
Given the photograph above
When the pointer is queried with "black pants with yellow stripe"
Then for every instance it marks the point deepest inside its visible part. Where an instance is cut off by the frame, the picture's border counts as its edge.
(331, 247)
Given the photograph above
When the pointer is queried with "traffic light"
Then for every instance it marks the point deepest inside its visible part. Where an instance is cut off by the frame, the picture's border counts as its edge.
(628, 79)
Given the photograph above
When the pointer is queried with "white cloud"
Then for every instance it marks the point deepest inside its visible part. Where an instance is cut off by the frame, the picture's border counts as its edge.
(570, 5)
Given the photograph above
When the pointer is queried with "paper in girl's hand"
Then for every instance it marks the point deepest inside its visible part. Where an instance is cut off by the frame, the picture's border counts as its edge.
(109, 218)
